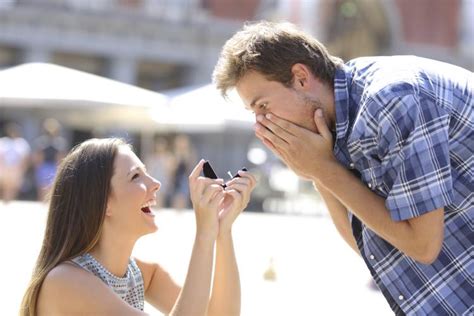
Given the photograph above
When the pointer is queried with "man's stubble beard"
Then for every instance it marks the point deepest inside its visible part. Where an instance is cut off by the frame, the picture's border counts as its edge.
(312, 104)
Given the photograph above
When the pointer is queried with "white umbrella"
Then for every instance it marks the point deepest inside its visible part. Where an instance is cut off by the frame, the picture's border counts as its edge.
(203, 109)
(80, 98)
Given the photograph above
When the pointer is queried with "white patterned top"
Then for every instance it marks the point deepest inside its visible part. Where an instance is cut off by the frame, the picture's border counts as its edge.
(129, 287)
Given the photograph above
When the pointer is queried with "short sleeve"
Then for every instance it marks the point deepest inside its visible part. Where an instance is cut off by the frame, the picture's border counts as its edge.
(414, 136)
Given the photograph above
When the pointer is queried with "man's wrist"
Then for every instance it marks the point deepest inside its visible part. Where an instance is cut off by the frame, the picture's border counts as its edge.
(325, 173)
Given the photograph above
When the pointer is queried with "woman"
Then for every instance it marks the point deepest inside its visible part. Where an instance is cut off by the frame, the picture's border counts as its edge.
(100, 206)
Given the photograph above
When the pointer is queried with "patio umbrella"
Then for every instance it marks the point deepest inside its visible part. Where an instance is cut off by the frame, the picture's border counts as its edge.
(79, 98)
(203, 109)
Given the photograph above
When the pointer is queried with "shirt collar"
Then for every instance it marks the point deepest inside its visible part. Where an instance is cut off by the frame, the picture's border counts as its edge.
(342, 82)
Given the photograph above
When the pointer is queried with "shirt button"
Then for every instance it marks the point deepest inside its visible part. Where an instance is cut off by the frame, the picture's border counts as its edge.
(369, 185)
(372, 257)
(400, 297)
(351, 165)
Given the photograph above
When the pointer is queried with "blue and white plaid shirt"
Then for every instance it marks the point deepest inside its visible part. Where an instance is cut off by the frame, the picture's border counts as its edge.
(405, 125)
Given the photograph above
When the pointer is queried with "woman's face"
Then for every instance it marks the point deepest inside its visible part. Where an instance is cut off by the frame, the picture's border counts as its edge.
(132, 195)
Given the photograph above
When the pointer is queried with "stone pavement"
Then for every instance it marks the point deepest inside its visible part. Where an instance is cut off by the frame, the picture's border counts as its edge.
(315, 272)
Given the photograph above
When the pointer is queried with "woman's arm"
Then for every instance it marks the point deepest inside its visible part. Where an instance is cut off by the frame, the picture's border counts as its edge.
(193, 298)
(215, 215)
(225, 299)
(226, 296)
(163, 293)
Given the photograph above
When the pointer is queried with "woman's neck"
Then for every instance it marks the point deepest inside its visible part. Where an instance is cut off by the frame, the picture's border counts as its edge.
(113, 253)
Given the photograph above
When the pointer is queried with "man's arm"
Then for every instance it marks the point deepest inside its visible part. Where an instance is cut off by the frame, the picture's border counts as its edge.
(420, 238)
(339, 216)
(310, 155)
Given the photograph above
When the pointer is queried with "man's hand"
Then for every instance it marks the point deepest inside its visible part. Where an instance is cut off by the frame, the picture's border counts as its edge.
(305, 152)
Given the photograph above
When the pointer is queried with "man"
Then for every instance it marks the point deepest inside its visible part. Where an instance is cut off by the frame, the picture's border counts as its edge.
(387, 141)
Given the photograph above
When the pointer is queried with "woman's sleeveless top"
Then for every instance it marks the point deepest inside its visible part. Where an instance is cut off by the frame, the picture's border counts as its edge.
(130, 287)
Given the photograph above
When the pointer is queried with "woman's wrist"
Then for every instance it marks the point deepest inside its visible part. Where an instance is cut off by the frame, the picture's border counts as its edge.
(224, 234)
(206, 237)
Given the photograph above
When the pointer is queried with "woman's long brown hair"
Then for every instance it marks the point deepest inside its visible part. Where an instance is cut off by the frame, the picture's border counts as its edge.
(76, 210)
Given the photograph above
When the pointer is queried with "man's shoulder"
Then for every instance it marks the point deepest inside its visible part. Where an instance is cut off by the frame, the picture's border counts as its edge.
(381, 79)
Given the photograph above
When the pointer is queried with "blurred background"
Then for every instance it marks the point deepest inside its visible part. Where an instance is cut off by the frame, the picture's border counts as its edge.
(141, 69)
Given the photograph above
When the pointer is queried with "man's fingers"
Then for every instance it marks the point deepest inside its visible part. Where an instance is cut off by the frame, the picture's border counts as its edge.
(270, 146)
(321, 124)
(263, 132)
(278, 126)
(289, 127)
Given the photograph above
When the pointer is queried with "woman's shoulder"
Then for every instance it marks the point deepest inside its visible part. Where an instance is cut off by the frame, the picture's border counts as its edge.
(59, 285)
(69, 288)
(65, 274)
(64, 282)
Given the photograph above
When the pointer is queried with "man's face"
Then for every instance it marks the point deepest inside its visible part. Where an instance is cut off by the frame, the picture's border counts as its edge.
(263, 96)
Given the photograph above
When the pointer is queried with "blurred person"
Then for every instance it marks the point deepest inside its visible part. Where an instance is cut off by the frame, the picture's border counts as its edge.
(160, 166)
(184, 158)
(355, 27)
(14, 161)
(387, 141)
(49, 149)
(100, 206)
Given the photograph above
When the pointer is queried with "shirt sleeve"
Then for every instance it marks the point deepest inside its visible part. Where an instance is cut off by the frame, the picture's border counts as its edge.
(414, 134)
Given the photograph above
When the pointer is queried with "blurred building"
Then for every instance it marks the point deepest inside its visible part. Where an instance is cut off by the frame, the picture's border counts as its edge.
(168, 44)
(438, 29)
(155, 44)
(165, 44)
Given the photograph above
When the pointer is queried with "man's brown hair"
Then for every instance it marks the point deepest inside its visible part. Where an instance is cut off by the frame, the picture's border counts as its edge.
(272, 49)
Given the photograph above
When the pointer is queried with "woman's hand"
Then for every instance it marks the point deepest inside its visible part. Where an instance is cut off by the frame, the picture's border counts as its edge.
(207, 196)
(236, 198)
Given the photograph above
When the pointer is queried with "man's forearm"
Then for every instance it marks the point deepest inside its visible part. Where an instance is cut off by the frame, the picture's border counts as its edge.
(339, 216)
(370, 208)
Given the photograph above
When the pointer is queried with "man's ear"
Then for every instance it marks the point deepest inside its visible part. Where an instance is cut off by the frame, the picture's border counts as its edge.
(301, 76)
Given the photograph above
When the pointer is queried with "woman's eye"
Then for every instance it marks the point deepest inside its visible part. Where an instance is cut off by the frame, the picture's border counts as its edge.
(136, 175)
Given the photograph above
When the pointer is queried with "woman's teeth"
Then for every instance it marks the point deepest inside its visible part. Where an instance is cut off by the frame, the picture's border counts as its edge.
(146, 207)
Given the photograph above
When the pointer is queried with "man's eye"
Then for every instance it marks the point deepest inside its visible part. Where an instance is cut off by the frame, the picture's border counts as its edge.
(263, 106)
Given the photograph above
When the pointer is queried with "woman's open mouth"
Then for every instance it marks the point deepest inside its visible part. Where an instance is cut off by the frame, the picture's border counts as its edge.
(146, 208)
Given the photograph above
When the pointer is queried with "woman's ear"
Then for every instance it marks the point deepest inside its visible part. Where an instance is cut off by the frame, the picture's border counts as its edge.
(108, 210)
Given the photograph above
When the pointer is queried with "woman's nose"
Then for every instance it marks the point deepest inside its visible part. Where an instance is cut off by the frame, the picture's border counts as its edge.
(155, 184)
